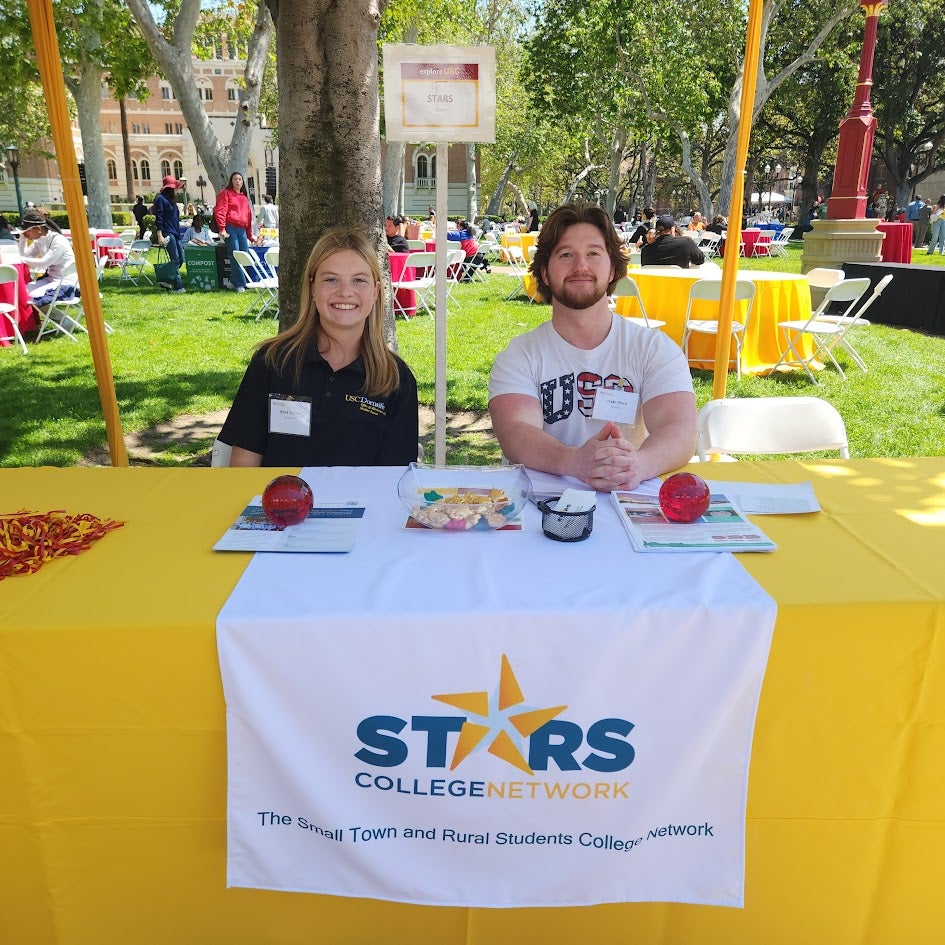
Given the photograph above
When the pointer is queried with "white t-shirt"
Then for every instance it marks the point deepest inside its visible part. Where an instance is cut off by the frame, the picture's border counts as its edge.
(565, 379)
(269, 216)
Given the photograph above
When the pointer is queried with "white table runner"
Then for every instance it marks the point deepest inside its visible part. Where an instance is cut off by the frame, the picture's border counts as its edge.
(490, 719)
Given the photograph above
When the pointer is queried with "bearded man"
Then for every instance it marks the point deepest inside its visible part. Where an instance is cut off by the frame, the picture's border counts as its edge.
(590, 394)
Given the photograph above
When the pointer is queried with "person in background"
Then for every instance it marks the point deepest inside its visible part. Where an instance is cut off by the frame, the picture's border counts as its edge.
(474, 259)
(925, 218)
(395, 239)
(937, 219)
(718, 225)
(190, 212)
(697, 223)
(234, 216)
(645, 225)
(6, 234)
(544, 385)
(913, 211)
(167, 224)
(46, 252)
(139, 211)
(533, 223)
(328, 391)
(269, 213)
(197, 233)
(668, 249)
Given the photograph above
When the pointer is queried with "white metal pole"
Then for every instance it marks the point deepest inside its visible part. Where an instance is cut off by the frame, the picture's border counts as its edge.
(442, 193)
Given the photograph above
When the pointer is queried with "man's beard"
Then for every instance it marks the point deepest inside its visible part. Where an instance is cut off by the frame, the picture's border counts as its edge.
(579, 298)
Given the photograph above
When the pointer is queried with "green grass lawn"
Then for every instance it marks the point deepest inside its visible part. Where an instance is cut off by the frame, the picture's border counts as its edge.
(185, 354)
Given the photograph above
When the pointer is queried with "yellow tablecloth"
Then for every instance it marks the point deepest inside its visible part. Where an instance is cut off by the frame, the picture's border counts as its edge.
(112, 743)
(779, 297)
(525, 240)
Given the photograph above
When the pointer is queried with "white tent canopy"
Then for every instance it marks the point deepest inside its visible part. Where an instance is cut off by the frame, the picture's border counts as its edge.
(768, 199)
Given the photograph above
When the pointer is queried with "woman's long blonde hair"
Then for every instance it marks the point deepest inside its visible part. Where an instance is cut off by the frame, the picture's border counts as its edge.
(293, 346)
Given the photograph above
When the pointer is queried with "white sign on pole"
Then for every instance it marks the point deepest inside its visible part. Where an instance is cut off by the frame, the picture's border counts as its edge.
(439, 93)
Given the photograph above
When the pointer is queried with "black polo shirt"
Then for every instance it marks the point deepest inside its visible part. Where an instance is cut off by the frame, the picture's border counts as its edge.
(669, 250)
(348, 428)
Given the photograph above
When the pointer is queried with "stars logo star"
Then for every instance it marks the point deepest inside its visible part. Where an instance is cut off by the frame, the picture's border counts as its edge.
(502, 720)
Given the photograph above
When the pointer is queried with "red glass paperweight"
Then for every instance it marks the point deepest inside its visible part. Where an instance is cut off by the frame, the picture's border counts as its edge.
(684, 497)
(287, 500)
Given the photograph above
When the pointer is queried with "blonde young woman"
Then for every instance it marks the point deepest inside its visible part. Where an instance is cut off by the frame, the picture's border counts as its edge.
(327, 391)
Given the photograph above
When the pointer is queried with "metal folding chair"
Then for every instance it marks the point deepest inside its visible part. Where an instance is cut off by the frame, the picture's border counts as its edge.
(627, 288)
(825, 335)
(263, 286)
(423, 267)
(711, 290)
(770, 426)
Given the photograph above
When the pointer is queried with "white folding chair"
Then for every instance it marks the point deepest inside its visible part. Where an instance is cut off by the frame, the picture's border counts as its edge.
(515, 260)
(100, 265)
(711, 290)
(114, 248)
(825, 335)
(421, 282)
(136, 259)
(62, 315)
(455, 267)
(510, 241)
(490, 248)
(858, 322)
(627, 288)
(762, 245)
(709, 244)
(9, 311)
(418, 246)
(770, 426)
(128, 236)
(821, 279)
(778, 244)
(263, 286)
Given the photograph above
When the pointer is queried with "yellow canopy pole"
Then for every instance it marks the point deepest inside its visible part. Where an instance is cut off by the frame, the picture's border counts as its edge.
(50, 70)
(723, 341)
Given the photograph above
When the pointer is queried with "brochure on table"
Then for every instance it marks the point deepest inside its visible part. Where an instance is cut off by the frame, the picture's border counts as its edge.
(330, 527)
(722, 527)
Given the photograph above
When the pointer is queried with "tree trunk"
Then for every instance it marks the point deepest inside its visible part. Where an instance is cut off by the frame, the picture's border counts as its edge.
(613, 178)
(329, 135)
(472, 182)
(126, 150)
(87, 92)
(498, 195)
(394, 155)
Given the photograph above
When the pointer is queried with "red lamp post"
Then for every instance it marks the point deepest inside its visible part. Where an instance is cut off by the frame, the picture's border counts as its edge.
(848, 197)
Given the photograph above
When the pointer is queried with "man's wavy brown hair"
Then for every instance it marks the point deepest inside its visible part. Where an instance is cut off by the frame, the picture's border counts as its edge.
(561, 219)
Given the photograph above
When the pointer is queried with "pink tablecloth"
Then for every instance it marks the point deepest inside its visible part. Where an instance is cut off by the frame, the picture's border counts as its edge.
(897, 246)
(406, 298)
(26, 314)
(749, 238)
(113, 253)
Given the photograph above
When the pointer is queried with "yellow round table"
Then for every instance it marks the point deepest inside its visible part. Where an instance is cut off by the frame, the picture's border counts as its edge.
(779, 297)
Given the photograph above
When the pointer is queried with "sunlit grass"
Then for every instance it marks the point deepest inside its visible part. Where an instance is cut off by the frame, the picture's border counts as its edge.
(174, 355)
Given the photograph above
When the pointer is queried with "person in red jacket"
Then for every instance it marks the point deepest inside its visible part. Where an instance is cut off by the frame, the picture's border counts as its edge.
(234, 217)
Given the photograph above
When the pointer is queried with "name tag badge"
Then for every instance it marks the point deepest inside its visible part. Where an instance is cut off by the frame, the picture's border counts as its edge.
(617, 405)
(291, 415)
